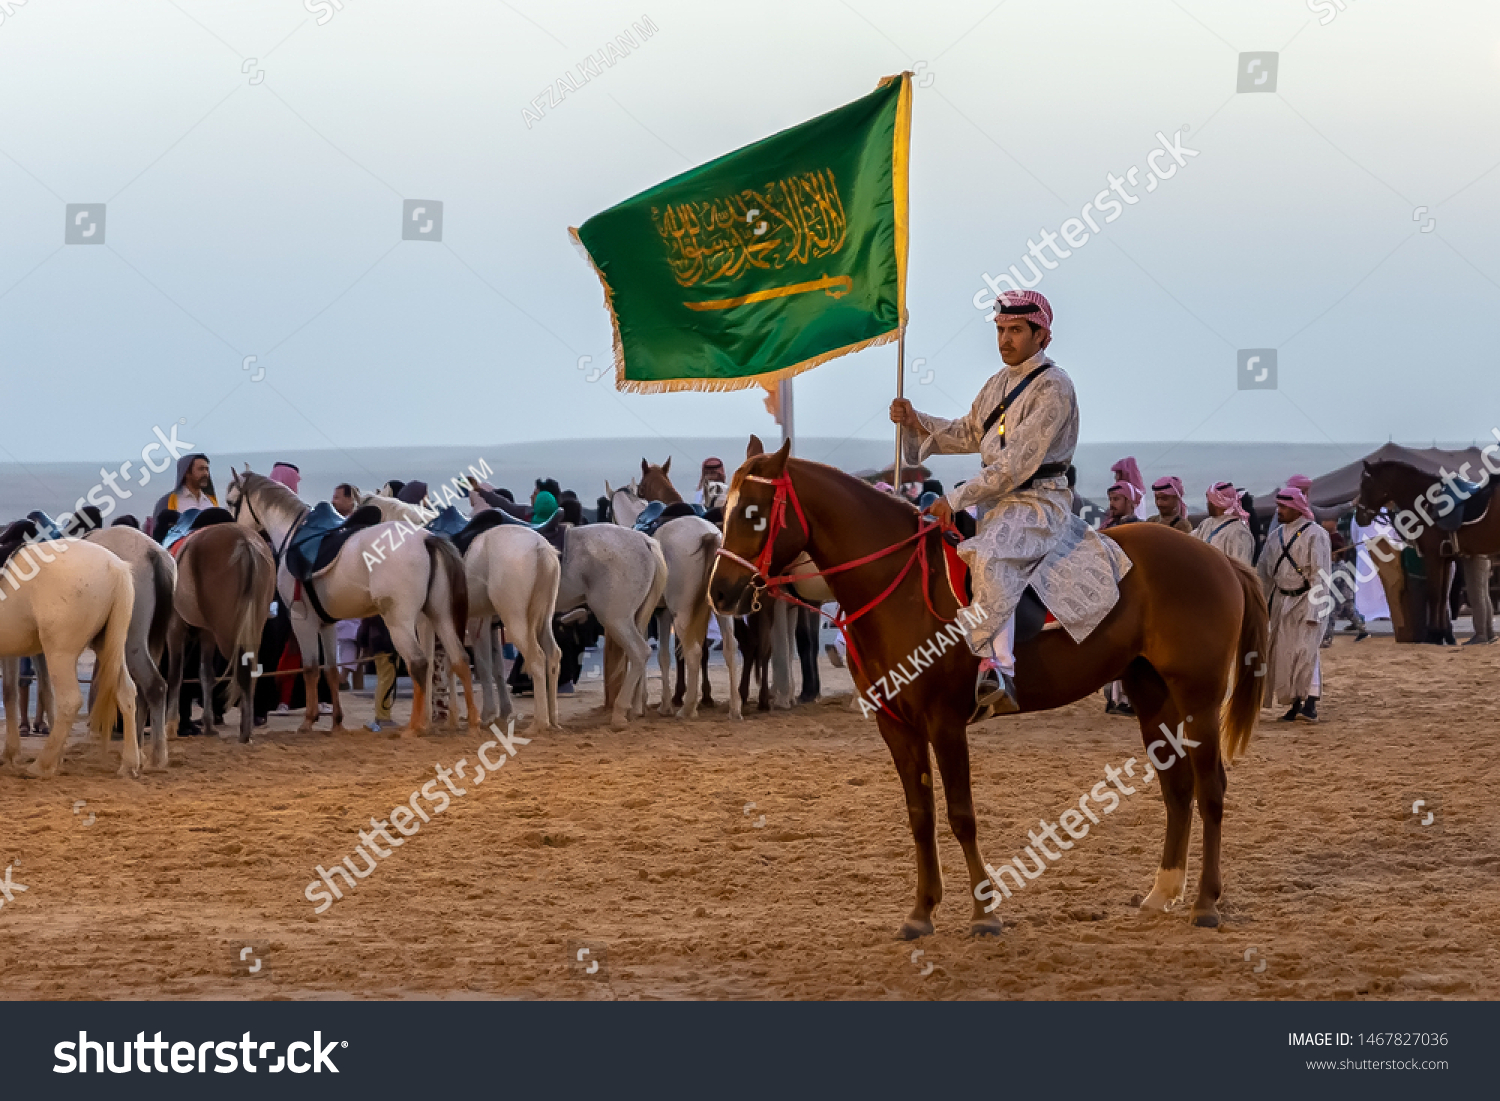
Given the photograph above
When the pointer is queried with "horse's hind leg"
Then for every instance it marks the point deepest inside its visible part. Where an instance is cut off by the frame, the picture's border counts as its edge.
(909, 750)
(1154, 708)
(1209, 784)
(458, 665)
(206, 651)
(666, 639)
(328, 635)
(950, 745)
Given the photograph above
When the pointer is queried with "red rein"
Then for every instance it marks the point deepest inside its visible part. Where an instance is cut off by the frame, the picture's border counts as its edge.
(760, 568)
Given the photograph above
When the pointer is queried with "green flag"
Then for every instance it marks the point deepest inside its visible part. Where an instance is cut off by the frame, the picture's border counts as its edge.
(765, 262)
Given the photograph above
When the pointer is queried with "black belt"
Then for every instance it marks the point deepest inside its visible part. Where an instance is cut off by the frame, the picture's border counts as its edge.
(1043, 472)
(1294, 592)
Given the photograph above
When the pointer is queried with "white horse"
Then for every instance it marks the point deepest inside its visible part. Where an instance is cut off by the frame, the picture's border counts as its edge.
(154, 574)
(410, 578)
(513, 574)
(64, 597)
(690, 545)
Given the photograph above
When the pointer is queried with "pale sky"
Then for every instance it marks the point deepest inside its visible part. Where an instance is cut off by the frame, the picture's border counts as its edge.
(259, 212)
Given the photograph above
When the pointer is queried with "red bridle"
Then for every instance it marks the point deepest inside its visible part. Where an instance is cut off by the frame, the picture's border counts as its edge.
(776, 523)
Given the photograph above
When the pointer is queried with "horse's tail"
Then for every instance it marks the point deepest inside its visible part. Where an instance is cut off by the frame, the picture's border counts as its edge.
(1250, 669)
(709, 549)
(658, 588)
(448, 566)
(163, 582)
(544, 594)
(112, 683)
(253, 609)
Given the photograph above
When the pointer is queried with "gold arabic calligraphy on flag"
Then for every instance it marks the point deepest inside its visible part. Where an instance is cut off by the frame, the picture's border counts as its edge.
(793, 221)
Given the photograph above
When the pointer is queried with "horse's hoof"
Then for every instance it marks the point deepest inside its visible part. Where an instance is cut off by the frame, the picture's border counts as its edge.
(1206, 921)
(986, 927)
(127, 773)
(911, 930)
(35, 771)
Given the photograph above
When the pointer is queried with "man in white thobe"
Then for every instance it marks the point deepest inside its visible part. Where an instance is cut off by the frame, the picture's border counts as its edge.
(1024, 425)
(1293, 559)
(1227, 527)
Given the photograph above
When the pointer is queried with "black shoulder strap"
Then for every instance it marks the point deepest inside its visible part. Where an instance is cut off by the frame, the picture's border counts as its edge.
(1224, 525)
(1010, 399)
(1286, 552)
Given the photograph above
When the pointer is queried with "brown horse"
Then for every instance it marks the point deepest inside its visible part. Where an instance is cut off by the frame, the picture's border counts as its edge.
(1390, 485)
(656, 483)
(226, 580)
(1188, 622)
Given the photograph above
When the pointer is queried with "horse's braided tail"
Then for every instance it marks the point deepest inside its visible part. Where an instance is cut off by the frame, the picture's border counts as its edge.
(112, 679)
(1251, 666)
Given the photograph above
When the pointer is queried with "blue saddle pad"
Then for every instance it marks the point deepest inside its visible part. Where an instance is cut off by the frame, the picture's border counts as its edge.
(46, 527)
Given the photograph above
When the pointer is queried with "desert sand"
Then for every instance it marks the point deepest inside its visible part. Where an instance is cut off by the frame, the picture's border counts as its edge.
(643, 847)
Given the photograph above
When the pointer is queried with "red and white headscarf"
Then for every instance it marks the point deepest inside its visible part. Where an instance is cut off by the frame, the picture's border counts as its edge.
(1127, 490)
(1127, 470)
(1300, 481)
(1293, 497)
(1171, 484)
(1027, 305)
(287, 474)
(1223, 495)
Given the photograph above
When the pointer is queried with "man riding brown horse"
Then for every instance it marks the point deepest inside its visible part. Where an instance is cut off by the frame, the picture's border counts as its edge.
(1184, 628)
(1024, 424)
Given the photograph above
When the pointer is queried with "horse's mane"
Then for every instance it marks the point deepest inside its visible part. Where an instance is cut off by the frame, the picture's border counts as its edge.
(272, 493)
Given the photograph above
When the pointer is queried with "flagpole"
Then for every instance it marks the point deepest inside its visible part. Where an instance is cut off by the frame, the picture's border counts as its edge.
(900, 393)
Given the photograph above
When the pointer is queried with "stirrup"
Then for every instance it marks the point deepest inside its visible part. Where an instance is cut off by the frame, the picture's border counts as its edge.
(994, 694)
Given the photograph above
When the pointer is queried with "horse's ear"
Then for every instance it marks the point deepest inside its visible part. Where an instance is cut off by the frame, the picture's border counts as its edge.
(645, 468)
(607, 491)
(755, 448)
(666, 467)
(778, 460)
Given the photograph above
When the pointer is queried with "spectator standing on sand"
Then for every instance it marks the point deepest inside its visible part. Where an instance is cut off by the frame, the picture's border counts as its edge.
(1296, 555)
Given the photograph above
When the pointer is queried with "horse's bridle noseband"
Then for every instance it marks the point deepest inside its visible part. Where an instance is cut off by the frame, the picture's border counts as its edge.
(760, 569)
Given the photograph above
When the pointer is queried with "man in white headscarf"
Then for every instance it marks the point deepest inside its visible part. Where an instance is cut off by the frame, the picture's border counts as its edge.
(1024, 425)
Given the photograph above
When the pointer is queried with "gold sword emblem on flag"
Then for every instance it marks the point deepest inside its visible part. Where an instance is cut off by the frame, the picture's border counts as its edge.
(836, 285)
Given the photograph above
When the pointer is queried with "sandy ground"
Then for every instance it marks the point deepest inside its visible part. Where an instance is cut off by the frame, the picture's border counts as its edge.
(643, 848)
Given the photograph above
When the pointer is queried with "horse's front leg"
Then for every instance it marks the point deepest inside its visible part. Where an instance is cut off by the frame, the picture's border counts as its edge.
(328, 635)
(950, 744)
(10, 669)
(909, 750)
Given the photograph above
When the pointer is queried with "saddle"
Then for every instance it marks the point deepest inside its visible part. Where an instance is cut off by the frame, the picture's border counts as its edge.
(47, 528)
(1032, 616)
(658, 513)
(451, 524)
(192, 520)
(322, 534)
(15, 536)
(1468, 510)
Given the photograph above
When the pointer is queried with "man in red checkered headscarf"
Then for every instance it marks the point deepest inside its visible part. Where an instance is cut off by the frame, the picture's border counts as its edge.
(1024, 425)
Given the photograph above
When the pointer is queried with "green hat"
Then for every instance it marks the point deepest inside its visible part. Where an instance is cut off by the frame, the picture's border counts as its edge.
(543, 507)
